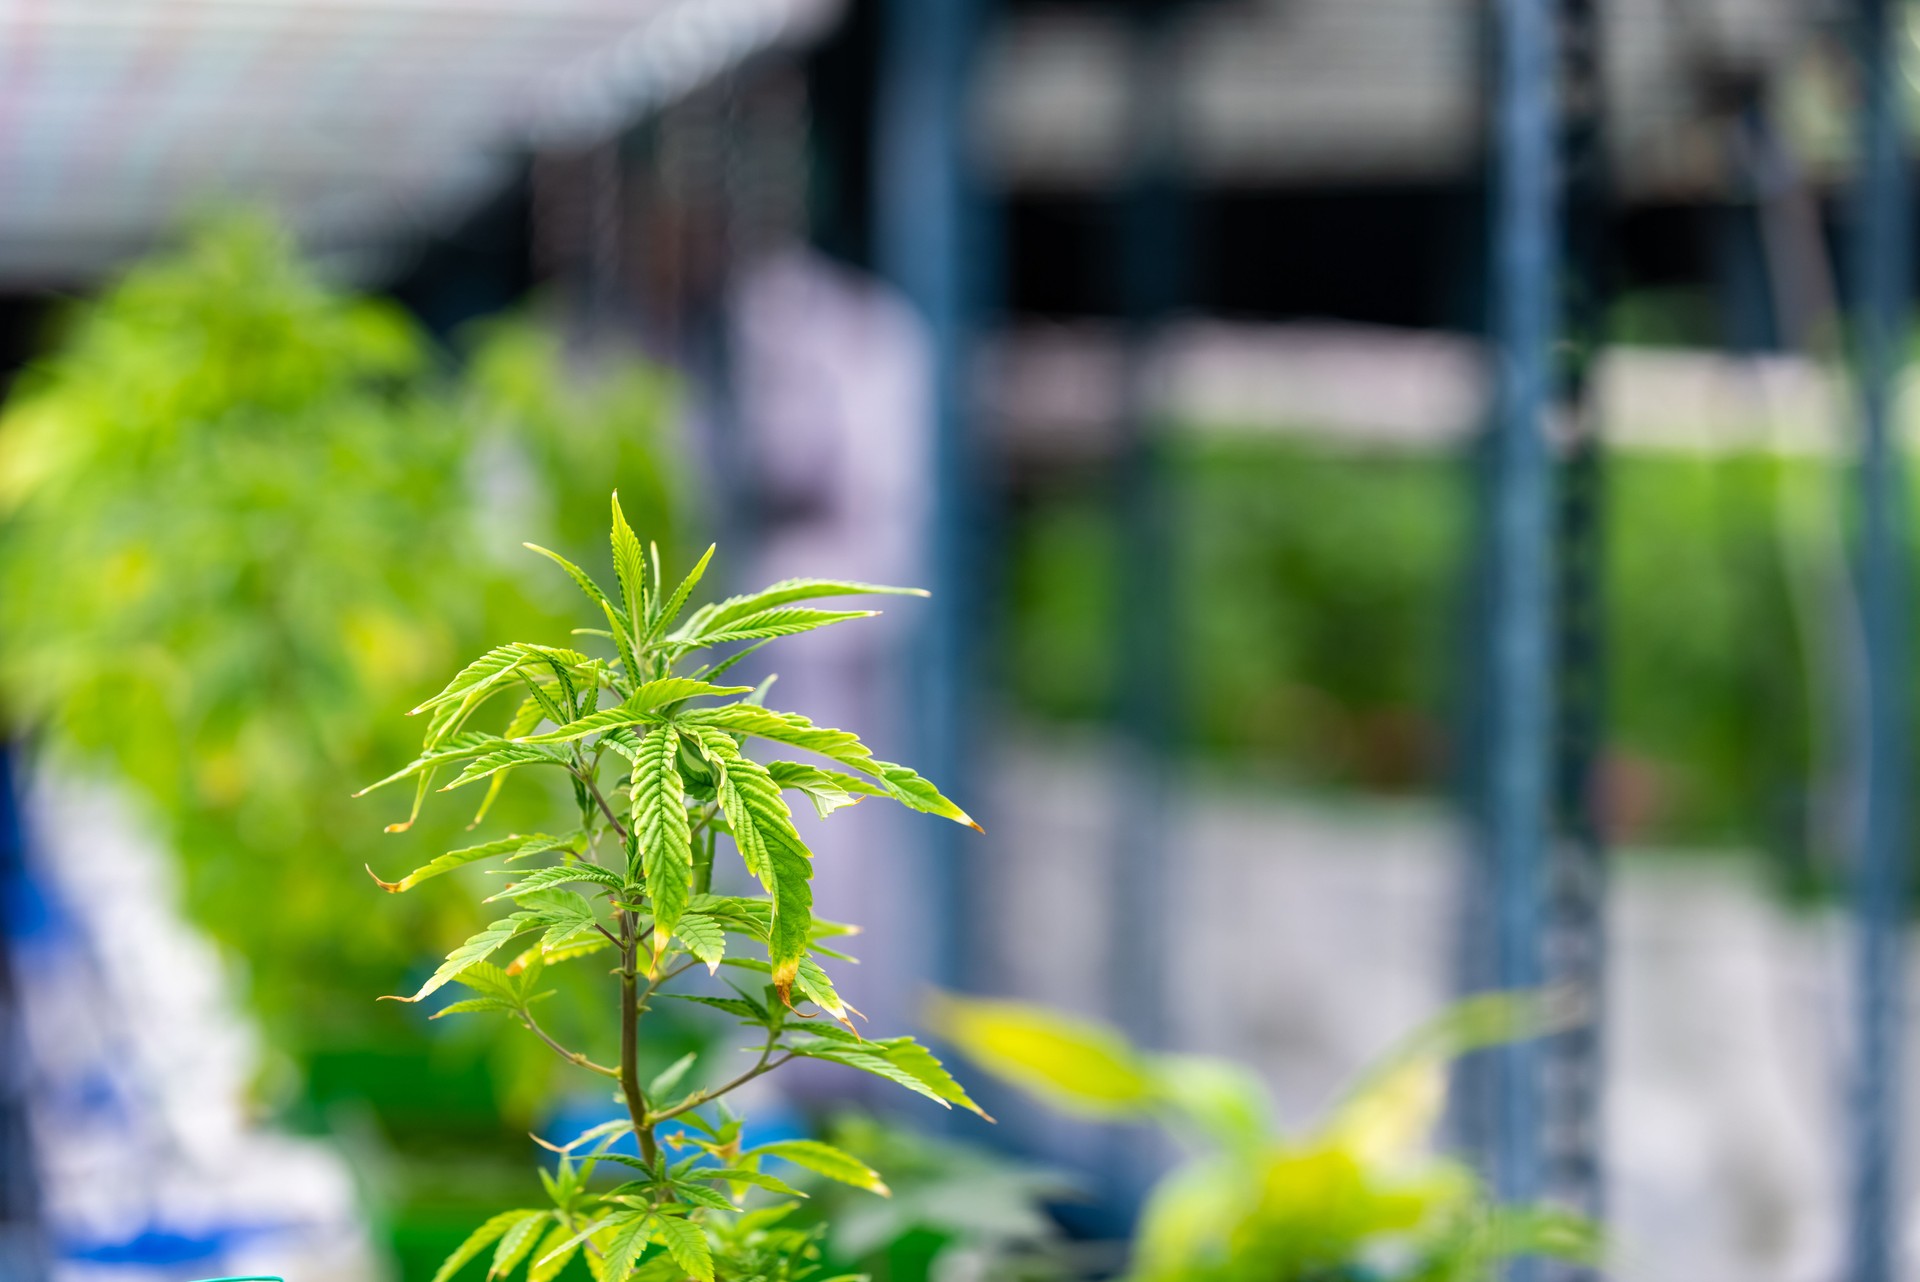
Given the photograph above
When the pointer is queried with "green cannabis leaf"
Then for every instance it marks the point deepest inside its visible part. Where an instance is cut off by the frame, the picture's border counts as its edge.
(654, 751)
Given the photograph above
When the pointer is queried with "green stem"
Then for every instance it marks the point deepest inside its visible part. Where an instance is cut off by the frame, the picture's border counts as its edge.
(766, 1064)
(572, 1057)
(636, 1099)
(703, 860)
(594, 788)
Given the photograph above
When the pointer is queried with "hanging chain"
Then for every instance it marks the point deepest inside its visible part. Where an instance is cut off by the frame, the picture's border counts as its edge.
(1572, 1103)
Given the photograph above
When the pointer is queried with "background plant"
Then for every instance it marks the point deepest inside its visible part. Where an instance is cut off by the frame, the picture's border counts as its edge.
(1320, 607)
(653, 751)
(1362, 1195)
(959, 1212)
(243, 512)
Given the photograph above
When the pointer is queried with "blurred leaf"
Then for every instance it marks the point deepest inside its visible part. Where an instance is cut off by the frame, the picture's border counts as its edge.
(824, 1159)
(1075, 1065)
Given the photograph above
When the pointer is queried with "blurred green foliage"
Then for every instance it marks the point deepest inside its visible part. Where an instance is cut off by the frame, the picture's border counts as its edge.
(246, 514)
(1359, 1196)
(1319, 615)
(956, 1211)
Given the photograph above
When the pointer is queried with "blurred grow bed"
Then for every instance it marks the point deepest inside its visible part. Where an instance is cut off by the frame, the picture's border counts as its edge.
(1317, 610)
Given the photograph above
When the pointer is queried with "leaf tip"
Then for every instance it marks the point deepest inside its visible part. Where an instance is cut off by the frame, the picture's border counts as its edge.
(402, 826)
(391, 887)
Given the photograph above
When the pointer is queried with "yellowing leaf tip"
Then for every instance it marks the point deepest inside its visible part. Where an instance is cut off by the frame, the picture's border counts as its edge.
(391, 887)
(402, 826)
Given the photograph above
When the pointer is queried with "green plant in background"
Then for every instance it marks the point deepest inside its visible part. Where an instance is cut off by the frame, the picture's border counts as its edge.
(652, 749)
(958, 1211)
(239, 514)
(1360, 1196)
(1320, 620)
(243, 512)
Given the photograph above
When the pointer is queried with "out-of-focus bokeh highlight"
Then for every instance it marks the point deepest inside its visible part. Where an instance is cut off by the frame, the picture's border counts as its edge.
(1339, 606)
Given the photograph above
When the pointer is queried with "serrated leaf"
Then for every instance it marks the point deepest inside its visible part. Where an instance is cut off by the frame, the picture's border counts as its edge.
(494, 666)
(743, 916)
(825, 1159)
(743, 1176)
(786, 621)
(827, 791)
(474, 1005)
(502, 758)
(457, 747)
(626, 1245)
(630, 567)
(736, 1006)
(634, 710)
(516, 1242)
(718, 615)
(771, 848)
(584, 944)
(817, 988)
(512, 845)
(477, 948)
(565, 914)
(584, 581)
(687, 1244)
(625, 742)
(660, 823)
(671, 608)
(701, 1195)
(478, 1241)
(489, 980)
(733, 660)
(898, 1059)
(781, 727)
(553, 1254)
(916, 793)
(704, 938)
(560, 875)
(896, 781)
(878, 1065)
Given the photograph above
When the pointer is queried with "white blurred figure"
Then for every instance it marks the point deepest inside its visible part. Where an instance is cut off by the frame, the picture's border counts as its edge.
(139, 1063)
(833, 414)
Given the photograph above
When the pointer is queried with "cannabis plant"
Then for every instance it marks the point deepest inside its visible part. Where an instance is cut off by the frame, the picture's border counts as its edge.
(1361, 1196)
(652, 747)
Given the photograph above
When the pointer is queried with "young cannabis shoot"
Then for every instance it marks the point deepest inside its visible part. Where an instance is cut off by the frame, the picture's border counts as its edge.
(653, 747)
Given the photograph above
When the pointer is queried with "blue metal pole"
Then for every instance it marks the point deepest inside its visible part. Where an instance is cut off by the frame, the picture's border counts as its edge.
(1881, 269)
(1152, 261)
(1520, 586)
(1573, 1103)
(926, 238)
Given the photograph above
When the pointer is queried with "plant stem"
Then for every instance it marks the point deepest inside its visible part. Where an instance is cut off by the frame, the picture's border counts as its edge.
(572, 1057)
(653, 984)
(636, 1099)
(766, 1064)
(594, 788)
